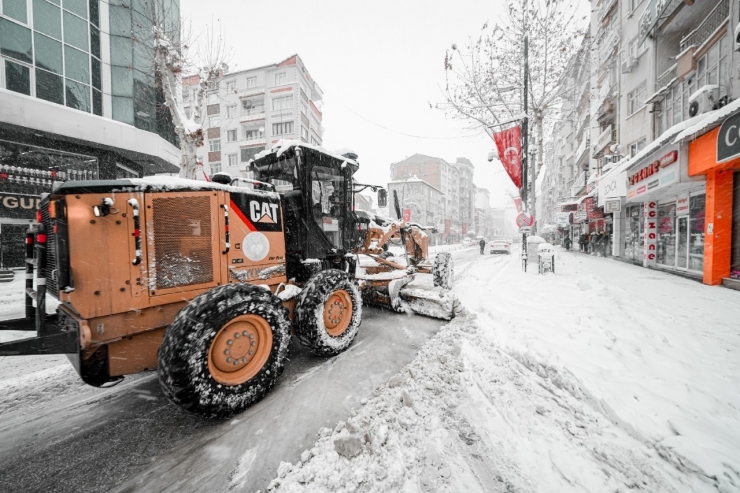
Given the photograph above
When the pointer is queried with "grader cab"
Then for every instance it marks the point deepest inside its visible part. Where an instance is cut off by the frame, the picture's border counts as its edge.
(206, 282)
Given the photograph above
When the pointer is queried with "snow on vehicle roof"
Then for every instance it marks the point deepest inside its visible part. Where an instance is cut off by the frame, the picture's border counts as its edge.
(284, 145)
(165, 183)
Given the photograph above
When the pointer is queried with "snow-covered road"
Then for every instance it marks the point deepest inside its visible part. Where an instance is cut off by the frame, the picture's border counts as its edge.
(601, 377)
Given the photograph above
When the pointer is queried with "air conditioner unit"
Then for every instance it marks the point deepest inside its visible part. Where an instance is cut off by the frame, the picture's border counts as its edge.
(626, 65)
(703, 100)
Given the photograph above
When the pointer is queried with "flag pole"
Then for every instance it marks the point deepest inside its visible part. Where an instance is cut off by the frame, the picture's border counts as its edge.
(525, 136)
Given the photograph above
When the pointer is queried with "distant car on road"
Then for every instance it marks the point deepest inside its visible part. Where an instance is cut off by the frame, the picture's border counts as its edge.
(500, 246)
(467, 242)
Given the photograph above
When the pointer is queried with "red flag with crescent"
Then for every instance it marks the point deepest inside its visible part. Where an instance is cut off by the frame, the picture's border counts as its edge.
(509, 145)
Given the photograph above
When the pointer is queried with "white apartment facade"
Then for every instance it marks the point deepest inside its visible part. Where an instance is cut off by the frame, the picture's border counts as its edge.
(252, 109)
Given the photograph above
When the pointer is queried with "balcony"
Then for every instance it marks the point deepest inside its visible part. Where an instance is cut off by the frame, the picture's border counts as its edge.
(252, 142)
(709, 26)
(666, 78)
(578, 185)
(605, 8)
(252, 91)
(252, 114)
(603, 140)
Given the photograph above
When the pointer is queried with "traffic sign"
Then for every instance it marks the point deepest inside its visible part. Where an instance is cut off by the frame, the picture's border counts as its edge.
(524, 219)
(525, 229)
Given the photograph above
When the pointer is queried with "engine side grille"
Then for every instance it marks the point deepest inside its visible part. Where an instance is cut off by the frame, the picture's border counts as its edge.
(182, 243)
(52, 287)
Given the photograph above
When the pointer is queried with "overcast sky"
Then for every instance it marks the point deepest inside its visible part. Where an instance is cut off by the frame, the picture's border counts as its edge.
(380, 65)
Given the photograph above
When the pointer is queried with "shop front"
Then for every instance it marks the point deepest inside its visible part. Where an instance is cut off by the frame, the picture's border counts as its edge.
(664, 220)
(610, 198)
(715, 155)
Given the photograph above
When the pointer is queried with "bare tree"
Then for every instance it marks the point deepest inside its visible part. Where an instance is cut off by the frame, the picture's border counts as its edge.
(176, 54)
(485, 79)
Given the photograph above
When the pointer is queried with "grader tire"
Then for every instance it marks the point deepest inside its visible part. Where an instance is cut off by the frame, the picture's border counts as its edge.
(328, 313)
(225, 350)
(442, 271)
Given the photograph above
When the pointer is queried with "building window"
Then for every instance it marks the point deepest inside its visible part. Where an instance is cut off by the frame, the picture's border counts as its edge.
(231, 87)
(213, 99)
(214, 145)
(230, 111)
(636, 50)
(215, 168)
(231, 135)
(188, 112)
(637, 146)
(636, 98)
(214, 122)
(251, 82)
(282, 128)
(280, 78)
(253, 134)
(232, 159)
(283, 103)
(712, 68)
(304, 133)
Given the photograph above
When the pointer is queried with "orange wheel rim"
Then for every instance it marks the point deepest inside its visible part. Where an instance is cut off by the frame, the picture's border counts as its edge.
(337, 312)
(240, 349)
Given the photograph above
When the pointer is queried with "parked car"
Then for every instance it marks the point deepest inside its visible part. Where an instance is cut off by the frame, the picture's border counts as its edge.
(500, 246)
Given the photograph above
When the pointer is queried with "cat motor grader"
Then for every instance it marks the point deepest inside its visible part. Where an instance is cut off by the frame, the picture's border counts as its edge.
(206, 281)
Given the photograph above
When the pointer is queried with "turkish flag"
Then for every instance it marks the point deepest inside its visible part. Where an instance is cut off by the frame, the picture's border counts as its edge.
(509, 145)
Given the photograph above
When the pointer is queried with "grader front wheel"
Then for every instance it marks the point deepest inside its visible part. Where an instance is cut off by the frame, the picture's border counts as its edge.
(328, 313)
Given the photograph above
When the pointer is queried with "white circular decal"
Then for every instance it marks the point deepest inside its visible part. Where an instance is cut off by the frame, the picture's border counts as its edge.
(255, 246)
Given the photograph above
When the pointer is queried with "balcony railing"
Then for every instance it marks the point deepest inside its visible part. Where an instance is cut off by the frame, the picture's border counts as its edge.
(252, 114)
(252, 141)
(709, 25)
(252, 91)
(665, 78)
(578, 184)
(605, 8)
(604, 138)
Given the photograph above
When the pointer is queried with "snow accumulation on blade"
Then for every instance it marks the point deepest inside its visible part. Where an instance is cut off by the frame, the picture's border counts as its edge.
(603, 377)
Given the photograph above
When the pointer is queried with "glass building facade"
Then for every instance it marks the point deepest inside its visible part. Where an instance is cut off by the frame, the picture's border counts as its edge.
(51, 50)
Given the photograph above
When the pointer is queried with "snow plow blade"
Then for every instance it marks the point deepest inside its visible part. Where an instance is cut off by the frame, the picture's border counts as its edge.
(403, 296)
(435, 304)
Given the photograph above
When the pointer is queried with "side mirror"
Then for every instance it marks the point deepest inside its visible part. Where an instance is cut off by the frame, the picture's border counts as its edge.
(382, 197)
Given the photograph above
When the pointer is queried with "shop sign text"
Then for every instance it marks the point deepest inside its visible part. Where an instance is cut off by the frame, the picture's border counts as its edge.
(18, 206)
(651, 234)
(682, 205)
(728, 139)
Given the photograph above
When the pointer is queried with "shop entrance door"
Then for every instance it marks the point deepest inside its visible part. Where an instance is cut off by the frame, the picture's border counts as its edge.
(682, 242)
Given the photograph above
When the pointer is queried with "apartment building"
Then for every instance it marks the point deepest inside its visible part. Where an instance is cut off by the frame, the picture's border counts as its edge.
(664, 106)
(249, 110)
(420, 202)
(79, 99)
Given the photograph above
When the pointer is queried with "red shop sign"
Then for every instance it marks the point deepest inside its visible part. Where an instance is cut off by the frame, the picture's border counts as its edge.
(653, 168)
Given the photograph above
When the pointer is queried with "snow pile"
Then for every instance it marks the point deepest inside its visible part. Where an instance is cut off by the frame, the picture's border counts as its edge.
(466, 416)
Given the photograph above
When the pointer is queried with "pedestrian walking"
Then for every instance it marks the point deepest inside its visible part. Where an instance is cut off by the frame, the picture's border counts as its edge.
(482, 243)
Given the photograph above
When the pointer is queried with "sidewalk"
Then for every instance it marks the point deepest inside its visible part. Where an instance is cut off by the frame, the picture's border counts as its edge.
(655, 353)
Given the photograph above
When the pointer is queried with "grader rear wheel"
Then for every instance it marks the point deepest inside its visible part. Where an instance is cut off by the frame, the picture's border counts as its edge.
(225, 350)
(328, 313)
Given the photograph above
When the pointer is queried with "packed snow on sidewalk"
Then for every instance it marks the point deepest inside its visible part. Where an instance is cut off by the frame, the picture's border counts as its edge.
(601, 377)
